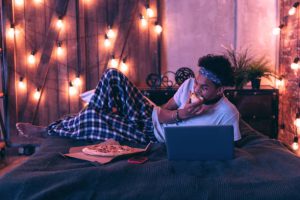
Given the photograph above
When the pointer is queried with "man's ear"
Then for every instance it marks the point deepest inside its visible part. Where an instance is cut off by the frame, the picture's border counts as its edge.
(220, 90)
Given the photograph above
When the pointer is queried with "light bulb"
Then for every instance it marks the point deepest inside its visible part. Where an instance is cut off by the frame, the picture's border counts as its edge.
(114, 62)
(19, 2)
(297, 122)
(158, 28)
(292, 11)
(59, 50)
(59, 23)
(77, 81)
(110, 33)
(149, 12)
(276, 31)
(11, 32)
(294, 66)
(295, 146)
(279, 83)
(72, 89)
(144, 22)
(38, 1)
(107, 42)
(124, 67)
(22, 84)
(31, 58)
(37, 94)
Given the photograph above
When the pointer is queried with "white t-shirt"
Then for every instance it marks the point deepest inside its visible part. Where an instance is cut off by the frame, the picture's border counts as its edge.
(222, 113)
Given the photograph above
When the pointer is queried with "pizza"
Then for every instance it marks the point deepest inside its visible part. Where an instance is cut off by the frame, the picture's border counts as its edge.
(108, 150)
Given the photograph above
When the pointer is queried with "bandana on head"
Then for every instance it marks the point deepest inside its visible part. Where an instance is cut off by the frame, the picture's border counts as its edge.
(209, 75)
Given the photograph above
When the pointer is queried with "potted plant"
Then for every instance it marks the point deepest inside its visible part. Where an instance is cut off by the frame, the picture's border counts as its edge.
(257, 69)
(240, 62)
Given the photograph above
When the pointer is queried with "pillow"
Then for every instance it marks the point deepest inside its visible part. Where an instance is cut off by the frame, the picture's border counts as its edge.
(86, 96)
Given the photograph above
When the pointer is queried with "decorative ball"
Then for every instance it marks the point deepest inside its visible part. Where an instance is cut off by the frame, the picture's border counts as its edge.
(153, 80)
(182, 74)
(168, 79)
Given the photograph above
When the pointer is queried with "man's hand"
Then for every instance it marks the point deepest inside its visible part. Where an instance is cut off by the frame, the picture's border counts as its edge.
(193, 109)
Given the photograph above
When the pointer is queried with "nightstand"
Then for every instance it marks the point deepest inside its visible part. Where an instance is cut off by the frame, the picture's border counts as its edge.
(259, 108)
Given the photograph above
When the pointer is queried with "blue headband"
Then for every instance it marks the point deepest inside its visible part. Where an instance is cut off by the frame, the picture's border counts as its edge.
(209, 75)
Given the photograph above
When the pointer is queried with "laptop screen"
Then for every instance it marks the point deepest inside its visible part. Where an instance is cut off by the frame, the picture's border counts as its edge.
(200, 142)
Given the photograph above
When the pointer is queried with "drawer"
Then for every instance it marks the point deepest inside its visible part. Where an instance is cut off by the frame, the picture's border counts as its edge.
(255, 104)
(268, 127)
(159, 97)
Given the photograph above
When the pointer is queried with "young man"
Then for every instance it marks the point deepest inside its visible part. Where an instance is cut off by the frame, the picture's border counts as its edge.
(118, 110)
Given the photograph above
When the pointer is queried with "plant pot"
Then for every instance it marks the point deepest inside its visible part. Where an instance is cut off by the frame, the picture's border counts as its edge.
(255, 83)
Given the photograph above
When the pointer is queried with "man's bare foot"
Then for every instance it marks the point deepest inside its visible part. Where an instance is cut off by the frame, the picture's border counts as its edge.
(29, 130)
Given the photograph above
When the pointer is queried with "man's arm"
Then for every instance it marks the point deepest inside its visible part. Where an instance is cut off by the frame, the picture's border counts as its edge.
(170, 105)
(168, 112)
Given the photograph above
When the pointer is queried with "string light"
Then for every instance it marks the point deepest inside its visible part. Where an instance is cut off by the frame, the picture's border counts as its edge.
(77, 81)
(31, 58)
(144, 22)
(11, 31)
(297, 120)
(295, 65)
(19, 2)
(149, 11)
(158, 28)
(22, 84)
(279, 83)
(110, 33)
(72, 89)
(277, 30)
(295, 144)
(59, 23)
(59, 50)
(124, 66)
(107, 42)
(87, 1)
(293, 9)
(38, 1)
(113, 62)
(37, 94)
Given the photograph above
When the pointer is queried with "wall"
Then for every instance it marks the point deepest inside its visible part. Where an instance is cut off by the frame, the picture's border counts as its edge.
(289, 50)
(82, 36)
(196, 27)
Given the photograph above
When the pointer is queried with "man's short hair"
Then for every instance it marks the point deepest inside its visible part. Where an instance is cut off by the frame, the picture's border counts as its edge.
(220, 66)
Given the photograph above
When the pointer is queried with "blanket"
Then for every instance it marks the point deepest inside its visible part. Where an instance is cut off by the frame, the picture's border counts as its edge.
(263, 168)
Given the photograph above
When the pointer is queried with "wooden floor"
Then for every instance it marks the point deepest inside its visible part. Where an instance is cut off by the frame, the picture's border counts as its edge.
(12, 160)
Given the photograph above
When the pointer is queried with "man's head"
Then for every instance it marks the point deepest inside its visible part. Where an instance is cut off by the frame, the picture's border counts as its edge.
(215, 72)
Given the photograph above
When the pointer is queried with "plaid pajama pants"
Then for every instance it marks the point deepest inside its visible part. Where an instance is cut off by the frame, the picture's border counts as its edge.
(117, 110)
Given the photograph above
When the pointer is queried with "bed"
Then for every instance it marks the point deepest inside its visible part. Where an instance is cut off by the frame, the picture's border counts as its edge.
(263, 168)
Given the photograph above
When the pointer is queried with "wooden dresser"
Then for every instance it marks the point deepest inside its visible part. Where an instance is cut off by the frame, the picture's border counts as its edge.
(259, 108)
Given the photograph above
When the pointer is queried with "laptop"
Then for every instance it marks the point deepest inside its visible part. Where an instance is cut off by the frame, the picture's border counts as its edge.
(200, 142)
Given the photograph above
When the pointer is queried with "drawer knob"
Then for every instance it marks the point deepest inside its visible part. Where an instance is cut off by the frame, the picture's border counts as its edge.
(254, 117)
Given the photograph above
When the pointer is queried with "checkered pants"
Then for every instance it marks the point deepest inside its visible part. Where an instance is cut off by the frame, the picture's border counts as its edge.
(117, 110)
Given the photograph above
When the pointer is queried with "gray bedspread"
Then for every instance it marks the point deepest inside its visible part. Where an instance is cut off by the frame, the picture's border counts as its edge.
(262, 169)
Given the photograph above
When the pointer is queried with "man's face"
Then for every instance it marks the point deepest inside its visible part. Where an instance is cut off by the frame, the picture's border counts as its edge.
(206, 88)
